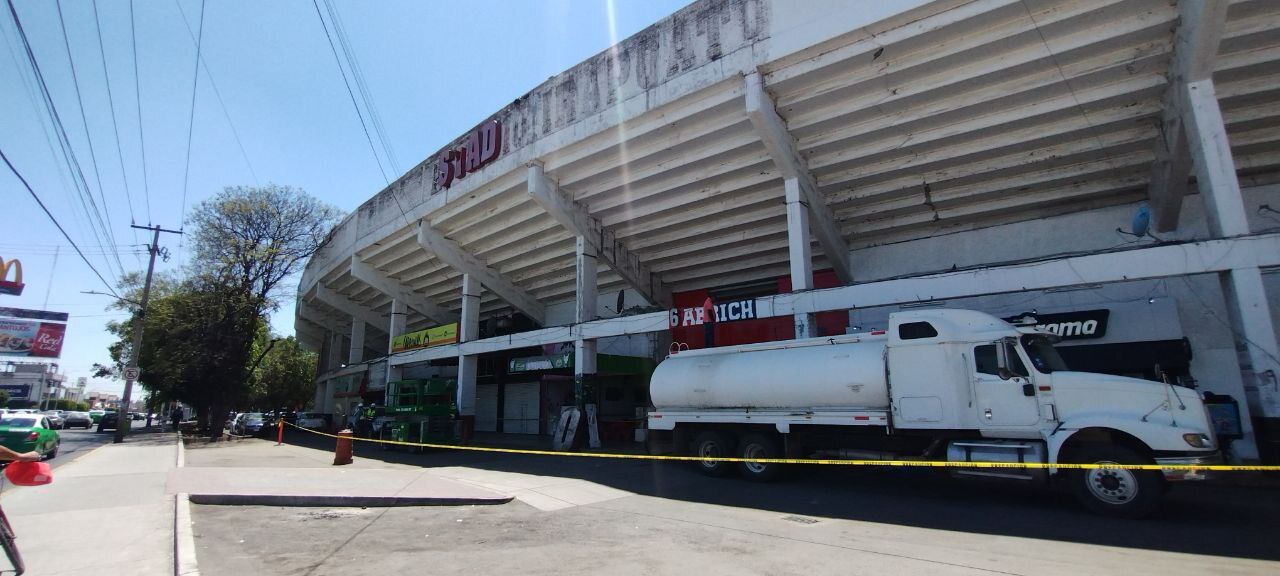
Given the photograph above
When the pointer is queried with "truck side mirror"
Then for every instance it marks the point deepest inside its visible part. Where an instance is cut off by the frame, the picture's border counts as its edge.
(1002, 360)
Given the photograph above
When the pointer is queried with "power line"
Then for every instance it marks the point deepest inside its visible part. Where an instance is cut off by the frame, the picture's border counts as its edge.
(349, 91)
(55, 220)
(45, 129)
(115, 128)
(353, 64)
(137, 90)
(191, 122)
(64, 142)
(88, 136)
(217, 93)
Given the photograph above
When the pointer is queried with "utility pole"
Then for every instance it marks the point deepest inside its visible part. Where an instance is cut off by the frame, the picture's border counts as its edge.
(131, 371)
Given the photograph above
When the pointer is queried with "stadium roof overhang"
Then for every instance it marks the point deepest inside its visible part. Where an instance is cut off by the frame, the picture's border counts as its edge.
(670, 149)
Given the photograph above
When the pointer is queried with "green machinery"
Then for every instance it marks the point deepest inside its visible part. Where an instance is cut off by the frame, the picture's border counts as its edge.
(422, 411)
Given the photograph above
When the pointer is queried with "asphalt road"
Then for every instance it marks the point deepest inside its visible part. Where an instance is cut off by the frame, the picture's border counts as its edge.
(821, 520)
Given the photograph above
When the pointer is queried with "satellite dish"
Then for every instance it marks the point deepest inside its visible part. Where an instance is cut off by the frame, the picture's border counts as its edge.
(1141, 220)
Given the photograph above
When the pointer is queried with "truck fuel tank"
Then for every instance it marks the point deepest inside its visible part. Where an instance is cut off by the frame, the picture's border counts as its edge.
(828, 372)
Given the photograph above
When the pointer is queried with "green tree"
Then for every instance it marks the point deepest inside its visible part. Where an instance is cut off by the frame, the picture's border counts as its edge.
(285, 377)
(206, 339)
(4, 398)
(247, 240)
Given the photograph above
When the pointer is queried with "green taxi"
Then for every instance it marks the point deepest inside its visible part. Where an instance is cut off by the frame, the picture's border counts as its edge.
(96, 415)
(28, 433)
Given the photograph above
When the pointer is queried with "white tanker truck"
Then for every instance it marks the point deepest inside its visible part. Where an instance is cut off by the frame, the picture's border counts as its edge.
(955, 385)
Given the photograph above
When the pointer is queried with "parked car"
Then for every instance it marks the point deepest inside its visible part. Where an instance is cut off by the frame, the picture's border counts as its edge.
(108, 421)
(313, 420)
(248, 424)
(29, 432)
(78, 420)
(56, 420)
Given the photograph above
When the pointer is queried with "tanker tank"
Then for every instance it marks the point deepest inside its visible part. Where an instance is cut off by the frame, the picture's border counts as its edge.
(828, 372)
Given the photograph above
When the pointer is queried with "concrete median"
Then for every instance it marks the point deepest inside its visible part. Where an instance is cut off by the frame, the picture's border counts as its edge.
(367, 487)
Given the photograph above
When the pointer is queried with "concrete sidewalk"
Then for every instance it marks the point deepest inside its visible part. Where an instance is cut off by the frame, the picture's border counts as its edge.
(105, 513)
(260, 473)
(545, 492)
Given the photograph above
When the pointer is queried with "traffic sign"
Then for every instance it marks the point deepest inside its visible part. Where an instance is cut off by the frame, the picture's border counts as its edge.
(131, 373)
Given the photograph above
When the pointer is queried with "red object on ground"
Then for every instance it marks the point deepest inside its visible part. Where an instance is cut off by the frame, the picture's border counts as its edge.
(280, 430)
(29, 473)
(342, 453)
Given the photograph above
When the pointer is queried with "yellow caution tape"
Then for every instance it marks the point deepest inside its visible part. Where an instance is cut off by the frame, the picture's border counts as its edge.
(891, 463)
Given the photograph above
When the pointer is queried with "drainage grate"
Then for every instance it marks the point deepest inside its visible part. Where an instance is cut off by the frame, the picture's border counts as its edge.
(800, 519)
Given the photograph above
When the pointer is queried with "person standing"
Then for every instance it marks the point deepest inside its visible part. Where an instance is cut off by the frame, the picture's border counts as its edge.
(708, 323)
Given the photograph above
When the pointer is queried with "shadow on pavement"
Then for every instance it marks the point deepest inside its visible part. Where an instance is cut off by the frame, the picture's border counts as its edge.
(1197, 519)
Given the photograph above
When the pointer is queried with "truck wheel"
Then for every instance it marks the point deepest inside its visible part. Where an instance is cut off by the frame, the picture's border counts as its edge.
(762, 446)
(1117, 492)
(713, 444)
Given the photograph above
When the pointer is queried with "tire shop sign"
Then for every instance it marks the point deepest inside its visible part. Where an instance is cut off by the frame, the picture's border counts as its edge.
(722, 312)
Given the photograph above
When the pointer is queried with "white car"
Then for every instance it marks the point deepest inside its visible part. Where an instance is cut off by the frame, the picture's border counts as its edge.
(312, 421)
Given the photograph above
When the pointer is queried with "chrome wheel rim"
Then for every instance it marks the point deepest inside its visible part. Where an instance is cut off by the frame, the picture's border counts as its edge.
(752, 452)
(709, 450)
(1112, 485)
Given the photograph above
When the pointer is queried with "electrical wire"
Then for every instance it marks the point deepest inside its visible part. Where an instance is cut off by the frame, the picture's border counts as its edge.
(115, 127)
(357, 73)
(191, 122)
(88, 136)
(110, 288)
(137, 89)
(45, 129)
(350, 92)
(100, 230)
(217, 93)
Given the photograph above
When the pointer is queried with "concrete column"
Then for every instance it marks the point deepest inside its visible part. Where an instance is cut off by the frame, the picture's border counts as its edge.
(399, 316)
(330, 386)
(1224, 208)
(1214, 167)
(468, 330)
(584, 359)
(1254, 333)
(355, 354)
(801, 253)
(335, 350)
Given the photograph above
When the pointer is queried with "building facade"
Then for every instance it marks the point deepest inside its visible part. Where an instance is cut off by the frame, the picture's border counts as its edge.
(794, 170)
(32, 384)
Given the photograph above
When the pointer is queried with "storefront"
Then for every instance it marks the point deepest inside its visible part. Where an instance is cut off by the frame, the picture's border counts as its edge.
(528, 398)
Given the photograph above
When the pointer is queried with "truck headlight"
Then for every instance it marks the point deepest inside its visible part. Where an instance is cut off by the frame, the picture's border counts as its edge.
(1198, 440)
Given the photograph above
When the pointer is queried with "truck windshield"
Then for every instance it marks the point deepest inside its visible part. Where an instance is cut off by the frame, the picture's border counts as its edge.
(1043, 355)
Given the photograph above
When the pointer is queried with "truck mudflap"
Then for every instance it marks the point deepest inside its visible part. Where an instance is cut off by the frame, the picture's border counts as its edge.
(1181, 475)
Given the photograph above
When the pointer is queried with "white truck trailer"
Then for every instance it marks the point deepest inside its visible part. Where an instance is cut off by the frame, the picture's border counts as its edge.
(939, 384)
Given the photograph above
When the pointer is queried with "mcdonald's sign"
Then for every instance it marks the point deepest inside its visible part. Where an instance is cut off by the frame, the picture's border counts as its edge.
(11, 287)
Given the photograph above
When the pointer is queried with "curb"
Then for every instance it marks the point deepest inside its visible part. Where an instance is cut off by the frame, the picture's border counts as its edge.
(184, 543)
(337, 501)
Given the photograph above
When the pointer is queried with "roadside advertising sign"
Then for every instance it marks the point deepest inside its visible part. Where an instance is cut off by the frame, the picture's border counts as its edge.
(27, 338)
(446, 334)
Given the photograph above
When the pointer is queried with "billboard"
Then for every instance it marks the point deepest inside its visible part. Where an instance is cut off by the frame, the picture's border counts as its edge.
(447, 334)
(30, 338)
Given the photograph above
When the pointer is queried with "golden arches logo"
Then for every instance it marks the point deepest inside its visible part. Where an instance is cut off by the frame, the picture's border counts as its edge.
(7, 286)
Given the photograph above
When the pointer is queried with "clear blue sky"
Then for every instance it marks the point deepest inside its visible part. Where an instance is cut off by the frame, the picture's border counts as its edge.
(433, 69)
